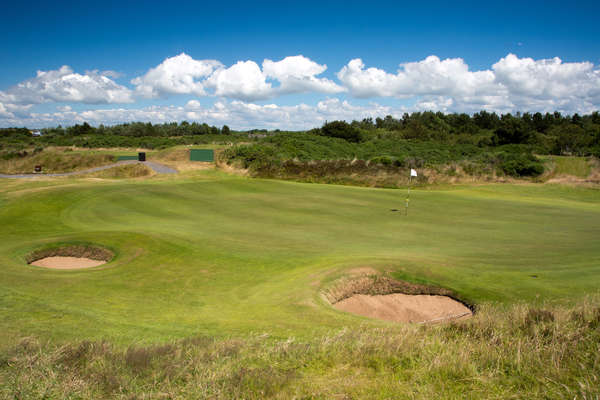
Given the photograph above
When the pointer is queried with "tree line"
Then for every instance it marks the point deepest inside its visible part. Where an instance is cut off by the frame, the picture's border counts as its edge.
(140, 129)
(549, 133)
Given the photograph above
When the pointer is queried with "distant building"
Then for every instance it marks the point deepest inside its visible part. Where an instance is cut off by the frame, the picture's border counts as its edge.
(36, 133)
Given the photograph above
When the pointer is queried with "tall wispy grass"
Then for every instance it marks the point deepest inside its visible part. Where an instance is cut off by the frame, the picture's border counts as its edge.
(54, 161)
(515, 352)
(122, 172)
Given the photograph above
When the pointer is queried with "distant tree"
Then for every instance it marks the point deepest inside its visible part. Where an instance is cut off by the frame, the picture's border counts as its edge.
(225, 130)
(570, 139)
(78, 130)
(205, 128)
(486, 120)
(414, 129)
(539, 124)
(512, 130)
(342, 130)
(367, 123)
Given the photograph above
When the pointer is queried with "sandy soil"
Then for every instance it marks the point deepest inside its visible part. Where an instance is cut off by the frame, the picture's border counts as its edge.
(67, 262)
(405, 308)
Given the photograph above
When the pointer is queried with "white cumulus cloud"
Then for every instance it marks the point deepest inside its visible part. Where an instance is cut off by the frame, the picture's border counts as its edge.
(244, 80)
(549, 84)
(511, 84)
(64, 85)
(449, 85)
(297, 74)
(176, 75)
(430, 77)
(236, 114)
(4, 113)
(8, 110)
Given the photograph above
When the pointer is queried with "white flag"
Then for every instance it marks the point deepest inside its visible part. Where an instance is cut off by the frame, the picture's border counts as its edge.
(413, 172)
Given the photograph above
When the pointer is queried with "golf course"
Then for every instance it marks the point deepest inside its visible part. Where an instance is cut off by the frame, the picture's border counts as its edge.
(216, 255)
(331, 200)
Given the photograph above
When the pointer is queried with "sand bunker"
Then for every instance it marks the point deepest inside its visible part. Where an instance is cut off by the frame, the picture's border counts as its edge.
(405, 308)
(59, 262)
(375, 295)
(70, 257)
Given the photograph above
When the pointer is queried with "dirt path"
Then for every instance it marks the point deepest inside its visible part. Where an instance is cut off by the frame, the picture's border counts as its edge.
(156, 167)
(404, 308)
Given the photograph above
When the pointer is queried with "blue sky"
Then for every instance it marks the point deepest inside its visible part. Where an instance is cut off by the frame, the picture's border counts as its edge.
(498, 56)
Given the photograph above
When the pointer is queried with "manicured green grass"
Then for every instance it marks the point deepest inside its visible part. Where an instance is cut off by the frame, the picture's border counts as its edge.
(211, 254)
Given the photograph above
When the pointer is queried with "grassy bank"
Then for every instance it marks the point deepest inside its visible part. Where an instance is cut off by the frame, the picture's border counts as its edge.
(52, 161)
(379, 160)
(123, 172)
(516, 352)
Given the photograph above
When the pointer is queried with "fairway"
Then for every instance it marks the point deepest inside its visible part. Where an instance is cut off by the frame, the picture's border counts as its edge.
(213, 254)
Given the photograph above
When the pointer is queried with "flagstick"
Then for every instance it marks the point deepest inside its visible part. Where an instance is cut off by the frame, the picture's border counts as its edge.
(408, 195)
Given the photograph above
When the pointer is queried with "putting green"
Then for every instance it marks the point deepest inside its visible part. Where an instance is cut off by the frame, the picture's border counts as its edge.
(212, 254)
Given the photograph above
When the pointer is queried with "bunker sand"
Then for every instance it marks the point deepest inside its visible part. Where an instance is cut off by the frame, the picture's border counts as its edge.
(400, 307)
(59, 262)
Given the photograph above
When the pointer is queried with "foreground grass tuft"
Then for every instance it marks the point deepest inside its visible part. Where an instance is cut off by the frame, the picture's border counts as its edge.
(520, 351)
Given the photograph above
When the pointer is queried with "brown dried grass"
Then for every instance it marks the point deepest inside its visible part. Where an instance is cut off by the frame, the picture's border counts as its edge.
(377, 284)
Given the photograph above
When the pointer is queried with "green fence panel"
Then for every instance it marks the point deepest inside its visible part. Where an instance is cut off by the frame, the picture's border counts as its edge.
(202, 155)
(122, 158)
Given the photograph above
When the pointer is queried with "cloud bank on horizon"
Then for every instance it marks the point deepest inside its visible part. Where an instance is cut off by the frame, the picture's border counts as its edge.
(240, 91)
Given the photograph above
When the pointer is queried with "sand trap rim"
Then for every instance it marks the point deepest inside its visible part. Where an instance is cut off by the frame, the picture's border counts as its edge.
(373, 284)
(93, 252)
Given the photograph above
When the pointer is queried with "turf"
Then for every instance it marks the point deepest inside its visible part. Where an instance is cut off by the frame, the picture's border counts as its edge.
(216, 255)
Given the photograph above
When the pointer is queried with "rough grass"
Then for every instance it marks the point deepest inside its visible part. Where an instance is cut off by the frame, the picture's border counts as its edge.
(172, 154)
(579, 167)
(375, 174)
(343, 172)
(122, 172)
(375, 284)
(54, 161)
(545, 352)
(178, 157)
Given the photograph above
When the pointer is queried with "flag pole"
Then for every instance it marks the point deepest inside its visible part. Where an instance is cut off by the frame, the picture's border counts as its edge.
(408, 195)
(413, 172)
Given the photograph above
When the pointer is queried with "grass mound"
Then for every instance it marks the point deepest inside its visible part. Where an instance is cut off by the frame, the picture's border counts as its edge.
(80, 251)
(572, 170)
(533, 352)
(53, 161)
(574, 166)
(122, 172)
